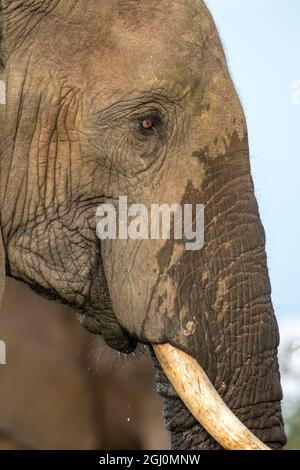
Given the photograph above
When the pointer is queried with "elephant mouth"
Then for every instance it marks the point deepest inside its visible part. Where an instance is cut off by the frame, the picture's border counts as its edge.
(114, 334)
(187, 378)
(190, 383)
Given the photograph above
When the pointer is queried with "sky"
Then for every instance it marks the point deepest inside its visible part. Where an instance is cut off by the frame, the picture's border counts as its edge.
(261, 39)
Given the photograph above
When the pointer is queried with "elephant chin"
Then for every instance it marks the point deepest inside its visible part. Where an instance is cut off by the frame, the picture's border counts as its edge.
(114, 334)
(200, 397)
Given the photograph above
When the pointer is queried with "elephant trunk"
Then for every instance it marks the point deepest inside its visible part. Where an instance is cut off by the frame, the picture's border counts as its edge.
(225, 289)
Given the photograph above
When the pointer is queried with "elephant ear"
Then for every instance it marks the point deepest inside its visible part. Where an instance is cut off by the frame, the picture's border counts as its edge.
(19, 19)
(2, 268)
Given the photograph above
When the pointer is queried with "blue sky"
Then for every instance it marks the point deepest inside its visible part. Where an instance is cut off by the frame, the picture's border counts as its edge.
(261, 39)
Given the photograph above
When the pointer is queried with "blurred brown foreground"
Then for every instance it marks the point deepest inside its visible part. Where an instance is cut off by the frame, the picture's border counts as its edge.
(62, 388)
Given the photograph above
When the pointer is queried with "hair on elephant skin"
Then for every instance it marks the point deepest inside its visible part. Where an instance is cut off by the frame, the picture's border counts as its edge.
(111, 98)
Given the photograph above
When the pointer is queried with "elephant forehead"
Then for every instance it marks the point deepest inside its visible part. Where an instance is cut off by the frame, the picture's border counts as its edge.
(125, 43)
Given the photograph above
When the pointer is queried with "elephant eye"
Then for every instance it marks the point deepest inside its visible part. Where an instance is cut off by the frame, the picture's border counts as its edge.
(149, 125)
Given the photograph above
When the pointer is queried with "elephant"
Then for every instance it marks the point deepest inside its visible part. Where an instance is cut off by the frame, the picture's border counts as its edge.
(107, 98)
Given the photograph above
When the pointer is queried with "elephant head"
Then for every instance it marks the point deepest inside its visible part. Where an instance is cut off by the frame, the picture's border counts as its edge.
(122, 97)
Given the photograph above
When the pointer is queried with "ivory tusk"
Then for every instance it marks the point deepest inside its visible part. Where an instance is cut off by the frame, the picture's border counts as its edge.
(201, 398)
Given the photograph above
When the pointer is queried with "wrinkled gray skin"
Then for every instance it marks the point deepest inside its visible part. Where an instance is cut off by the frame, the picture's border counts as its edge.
(81, 76)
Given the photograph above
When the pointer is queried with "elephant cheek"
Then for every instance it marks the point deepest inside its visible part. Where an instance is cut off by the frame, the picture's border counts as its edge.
(143, 281)
(133, 276)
